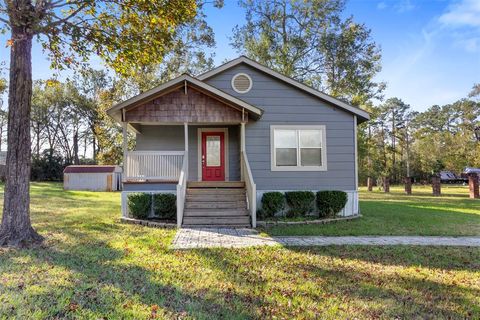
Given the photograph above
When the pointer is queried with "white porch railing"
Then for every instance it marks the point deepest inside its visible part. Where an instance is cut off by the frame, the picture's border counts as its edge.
(153, 165)
(250, 187)
(182, 190)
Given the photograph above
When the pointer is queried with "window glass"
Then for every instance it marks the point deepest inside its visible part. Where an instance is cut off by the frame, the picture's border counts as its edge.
(294, 148)
(311, 157)
(286, 157)
(310, 138)
(285, 139)
(213, 151)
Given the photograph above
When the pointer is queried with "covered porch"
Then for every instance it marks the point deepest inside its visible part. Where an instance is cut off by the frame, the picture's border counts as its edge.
(186, 131)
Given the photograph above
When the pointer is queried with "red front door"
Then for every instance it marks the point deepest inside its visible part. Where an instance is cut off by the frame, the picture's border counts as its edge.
(213, 156)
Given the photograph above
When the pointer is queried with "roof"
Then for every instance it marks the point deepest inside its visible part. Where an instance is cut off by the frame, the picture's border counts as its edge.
(362, 114)
(116, 111)
(89, 169)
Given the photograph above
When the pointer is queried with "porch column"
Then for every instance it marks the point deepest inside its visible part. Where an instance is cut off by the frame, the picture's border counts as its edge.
(125, 145)
(185, 126)
(242, 148)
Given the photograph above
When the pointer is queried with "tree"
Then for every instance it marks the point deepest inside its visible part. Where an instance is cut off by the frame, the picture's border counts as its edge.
(122, 33)
(394, 112)
(186, 54)
(475, 91)
(310, 42)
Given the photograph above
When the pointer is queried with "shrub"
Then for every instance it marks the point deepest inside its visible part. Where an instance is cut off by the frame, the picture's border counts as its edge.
(300, 202)
(329, 203)
(272, 203)
(139, 205)
(165, 205)
(48, 166)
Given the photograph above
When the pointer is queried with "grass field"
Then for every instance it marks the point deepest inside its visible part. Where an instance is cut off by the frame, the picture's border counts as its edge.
(452, 214)
(93, 267)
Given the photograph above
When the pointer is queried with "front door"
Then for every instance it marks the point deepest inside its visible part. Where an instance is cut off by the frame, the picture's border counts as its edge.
(213, 156)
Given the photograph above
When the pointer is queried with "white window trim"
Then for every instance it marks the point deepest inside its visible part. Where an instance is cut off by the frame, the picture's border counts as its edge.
(241, 74)
(273, 166)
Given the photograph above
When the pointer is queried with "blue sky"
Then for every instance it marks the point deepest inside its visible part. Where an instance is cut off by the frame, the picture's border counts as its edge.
(430, 48)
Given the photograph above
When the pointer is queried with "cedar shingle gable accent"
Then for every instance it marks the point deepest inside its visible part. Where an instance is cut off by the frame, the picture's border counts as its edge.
(178, 107)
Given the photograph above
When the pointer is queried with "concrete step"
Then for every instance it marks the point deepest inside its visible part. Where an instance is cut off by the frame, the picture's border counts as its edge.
(216, 204)
(208, 191)
(197, 226)
(215, 213)
(216, 184)
(215, 197)
(215, 221)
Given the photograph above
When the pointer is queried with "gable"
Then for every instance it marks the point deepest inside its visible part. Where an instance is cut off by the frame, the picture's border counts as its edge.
(279, 100)
(184, 82)
(179, 106)
(242, 62)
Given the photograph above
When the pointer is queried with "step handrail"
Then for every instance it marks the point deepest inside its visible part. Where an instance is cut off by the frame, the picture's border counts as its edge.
(182, 189)
(251, 189)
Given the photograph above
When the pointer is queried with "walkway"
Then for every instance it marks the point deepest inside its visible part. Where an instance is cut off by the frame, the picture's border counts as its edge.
(239, 238)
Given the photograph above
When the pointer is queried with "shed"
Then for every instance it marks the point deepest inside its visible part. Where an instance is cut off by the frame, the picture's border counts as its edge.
(92, 177)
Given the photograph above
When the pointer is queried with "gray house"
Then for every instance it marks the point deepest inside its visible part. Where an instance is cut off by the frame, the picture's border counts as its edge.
(222, 139)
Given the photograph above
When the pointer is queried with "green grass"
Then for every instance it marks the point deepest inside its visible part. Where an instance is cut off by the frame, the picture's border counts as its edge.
(452, 214)
(93, 267)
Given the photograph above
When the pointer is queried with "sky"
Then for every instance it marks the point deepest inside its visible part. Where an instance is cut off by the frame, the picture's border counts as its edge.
(430, 48)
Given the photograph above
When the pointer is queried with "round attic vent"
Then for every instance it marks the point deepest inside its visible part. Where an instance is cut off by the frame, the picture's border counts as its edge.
(241, 83)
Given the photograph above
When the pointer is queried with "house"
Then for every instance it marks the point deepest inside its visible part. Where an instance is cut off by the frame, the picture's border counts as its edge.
(92, 177)
(222, 139)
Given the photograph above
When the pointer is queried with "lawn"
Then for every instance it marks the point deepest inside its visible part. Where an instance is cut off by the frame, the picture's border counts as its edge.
(452, 214)
(93, 267)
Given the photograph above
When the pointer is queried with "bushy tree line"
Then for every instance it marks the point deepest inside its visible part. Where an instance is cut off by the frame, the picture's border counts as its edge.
(398, 142)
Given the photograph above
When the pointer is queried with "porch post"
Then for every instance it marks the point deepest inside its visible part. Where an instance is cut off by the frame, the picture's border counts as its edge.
(242, 149)
(125, 145)
(185, 125)
(124, 173)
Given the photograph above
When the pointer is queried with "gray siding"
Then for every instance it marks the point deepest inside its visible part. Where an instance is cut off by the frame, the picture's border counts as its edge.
(284, 104)
(171, 138)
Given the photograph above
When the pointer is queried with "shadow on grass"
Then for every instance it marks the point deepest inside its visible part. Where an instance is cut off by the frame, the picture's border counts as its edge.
(101, 267)
(405, 296)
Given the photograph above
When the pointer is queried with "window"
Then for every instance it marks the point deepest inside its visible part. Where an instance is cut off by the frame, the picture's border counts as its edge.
(298, 148)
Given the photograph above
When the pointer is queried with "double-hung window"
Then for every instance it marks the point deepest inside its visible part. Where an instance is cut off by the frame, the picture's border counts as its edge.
(298, 148)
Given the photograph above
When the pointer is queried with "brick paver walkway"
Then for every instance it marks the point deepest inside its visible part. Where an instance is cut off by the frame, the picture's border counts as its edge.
(228, 238)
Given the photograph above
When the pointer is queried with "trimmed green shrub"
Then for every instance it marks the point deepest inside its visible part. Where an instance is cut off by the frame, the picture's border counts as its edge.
(272, 203)
(165, 205)
(329, 203)
(139, 205)
(300, 202)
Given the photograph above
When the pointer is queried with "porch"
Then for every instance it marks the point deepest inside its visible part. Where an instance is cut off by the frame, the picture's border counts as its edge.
(190, 133)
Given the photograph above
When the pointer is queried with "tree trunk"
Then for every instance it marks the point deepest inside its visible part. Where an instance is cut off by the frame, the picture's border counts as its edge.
(436, 186)
(16, 229)
(369, 184)
(76, 159)
(408, 185)
(94, 146)
(386, 184)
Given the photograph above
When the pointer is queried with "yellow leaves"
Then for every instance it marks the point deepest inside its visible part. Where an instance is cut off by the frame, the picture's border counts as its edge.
(9, 43)
(52, 83)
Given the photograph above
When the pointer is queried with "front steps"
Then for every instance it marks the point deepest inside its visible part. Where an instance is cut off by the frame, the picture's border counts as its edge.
(216, 204)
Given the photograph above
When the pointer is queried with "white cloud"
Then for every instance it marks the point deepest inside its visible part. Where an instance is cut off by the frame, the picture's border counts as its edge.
(463, 13)
(404, 6)
(461, 22)
(400, 6)
(381, 5)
